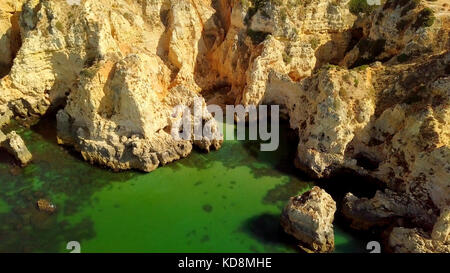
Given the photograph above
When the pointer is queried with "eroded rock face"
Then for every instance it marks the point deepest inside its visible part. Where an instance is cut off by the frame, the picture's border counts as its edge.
(404, 240)
(309, 218)
(15, 145)
(195, 45)
(123, 65)
(401, 29)
(385, 209)
(120, 118)
(288, 37)
(9, 33)
(5, 115)
(2, 137)
(386, 120)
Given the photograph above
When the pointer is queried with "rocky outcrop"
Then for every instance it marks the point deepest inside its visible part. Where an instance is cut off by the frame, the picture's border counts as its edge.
(131, 127)
(5, 115)
(196, 45)
(309, 218)
(15, 145)
(286, 37)
(404, 240)
(125, 67)
(385, 209)
(10, 39)
(401, 29)
(389, 121)
(119, 67)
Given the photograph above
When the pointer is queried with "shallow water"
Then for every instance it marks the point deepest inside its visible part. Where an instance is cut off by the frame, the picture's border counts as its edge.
(224, 201)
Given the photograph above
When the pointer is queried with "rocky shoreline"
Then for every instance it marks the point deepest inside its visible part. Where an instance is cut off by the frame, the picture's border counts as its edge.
(367, 90)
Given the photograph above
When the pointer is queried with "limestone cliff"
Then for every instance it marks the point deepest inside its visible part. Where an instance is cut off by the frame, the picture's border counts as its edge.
(9, 33)
(366, 90)
(387, 120)
(123, 67)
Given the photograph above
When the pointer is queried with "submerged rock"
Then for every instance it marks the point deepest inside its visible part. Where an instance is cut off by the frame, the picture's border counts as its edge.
(46, 206)
(309, 218)
(15, 145)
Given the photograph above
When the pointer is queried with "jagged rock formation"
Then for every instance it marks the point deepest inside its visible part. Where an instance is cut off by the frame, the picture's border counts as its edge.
(288, 37)
(119, 67)
(387, 120)
(309, 218)
(5, 115)
(15, 145)
(404, 240)
(125, 67)
(9, 33)
(384, 209)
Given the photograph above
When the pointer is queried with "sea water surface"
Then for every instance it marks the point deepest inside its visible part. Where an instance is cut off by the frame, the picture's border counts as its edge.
(225, 201)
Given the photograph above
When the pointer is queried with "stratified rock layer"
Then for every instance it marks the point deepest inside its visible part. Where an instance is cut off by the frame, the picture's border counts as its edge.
(309, 218)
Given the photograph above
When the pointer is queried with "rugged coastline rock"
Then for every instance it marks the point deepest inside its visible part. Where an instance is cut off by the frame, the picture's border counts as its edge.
(15, 145)
(2, 137)
(125, 66)
(407, 240)
(384, 209)
(309, 218)
(9, 33)
(367, 91)
(119, 118)
(388, 120)
(404, 240)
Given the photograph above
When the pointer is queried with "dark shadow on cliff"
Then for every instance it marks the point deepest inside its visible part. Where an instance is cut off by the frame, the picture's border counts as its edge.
(15, 42)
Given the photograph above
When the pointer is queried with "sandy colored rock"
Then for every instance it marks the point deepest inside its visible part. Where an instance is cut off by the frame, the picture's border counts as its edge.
(309, 218)
(404, 240)
(2, 137)
(46, 206)
(5, 115)
(125, 66)
(10, 39)
(129, 124)
(404, 30)
(16, 147)
(441, 229)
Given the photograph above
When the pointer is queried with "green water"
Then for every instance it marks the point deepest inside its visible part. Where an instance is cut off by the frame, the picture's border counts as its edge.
(224, 201)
